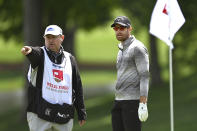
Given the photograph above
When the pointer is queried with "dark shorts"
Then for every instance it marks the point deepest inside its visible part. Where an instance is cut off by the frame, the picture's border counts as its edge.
(125, 116)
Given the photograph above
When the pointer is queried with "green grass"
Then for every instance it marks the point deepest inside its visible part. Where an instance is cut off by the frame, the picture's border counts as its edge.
(10, 52)
(11, 80)
(98, 77)
(100, 45)
(185, 94)
(11, 120)
(96, 45)
(98, 110)
(99, 107)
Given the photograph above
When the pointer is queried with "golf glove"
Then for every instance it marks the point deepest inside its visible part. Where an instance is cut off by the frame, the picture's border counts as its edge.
(143, 112)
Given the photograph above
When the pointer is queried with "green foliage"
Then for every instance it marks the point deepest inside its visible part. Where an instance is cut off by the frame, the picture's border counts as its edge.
(139, 12)
(87, 14)
(189, 11)
(185, 50)
(185, 41)
(11, 19)
(84, 14)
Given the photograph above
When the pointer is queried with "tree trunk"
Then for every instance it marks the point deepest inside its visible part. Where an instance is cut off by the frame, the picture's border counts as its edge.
(154, 64)
(69, 40)
(32, 35)
(32, 22)
(69, 34)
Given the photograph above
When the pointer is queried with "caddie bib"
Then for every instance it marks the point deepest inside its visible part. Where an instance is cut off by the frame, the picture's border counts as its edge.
(57, 80)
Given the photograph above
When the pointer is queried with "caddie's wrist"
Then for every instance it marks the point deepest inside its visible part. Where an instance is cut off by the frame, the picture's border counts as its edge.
(29, 51)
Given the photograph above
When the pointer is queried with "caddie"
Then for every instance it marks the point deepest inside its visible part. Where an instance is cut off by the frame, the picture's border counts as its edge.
(55, 88)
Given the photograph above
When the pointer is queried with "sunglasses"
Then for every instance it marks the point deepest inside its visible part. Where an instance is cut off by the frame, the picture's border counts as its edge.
(121, 28)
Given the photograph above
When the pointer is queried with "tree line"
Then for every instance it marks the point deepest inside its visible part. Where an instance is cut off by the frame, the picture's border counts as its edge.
(25, 20)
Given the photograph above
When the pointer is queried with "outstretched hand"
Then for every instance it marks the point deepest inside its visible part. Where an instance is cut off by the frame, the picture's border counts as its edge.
(26, 50)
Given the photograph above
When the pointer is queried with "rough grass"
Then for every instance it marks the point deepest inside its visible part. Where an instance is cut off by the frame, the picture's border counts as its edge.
(98, 77)
(96, 45)
(10, 51)
(11, 80)
(14, 80)
(99, 117)
(100, 45)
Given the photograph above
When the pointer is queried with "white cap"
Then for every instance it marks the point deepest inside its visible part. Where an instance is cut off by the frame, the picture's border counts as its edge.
(53, 30)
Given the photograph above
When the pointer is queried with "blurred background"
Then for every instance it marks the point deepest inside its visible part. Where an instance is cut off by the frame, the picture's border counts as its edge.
(89, 37)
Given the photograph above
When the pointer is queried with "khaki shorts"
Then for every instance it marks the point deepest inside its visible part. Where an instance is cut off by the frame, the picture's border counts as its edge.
(37, 124)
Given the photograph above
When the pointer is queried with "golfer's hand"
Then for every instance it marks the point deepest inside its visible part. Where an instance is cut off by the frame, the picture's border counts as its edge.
(143, 112)
(26, 50)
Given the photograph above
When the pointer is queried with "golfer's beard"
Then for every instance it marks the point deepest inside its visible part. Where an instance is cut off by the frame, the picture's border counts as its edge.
(122, 38)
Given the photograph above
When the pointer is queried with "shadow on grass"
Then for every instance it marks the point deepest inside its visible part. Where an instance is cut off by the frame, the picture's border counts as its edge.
(7, 74)
(99, 111)
(99, 114)
(12, 120)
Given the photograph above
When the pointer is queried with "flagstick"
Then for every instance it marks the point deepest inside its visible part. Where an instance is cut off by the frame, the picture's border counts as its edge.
(171, 72)
(171, 91)
(166, 20)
